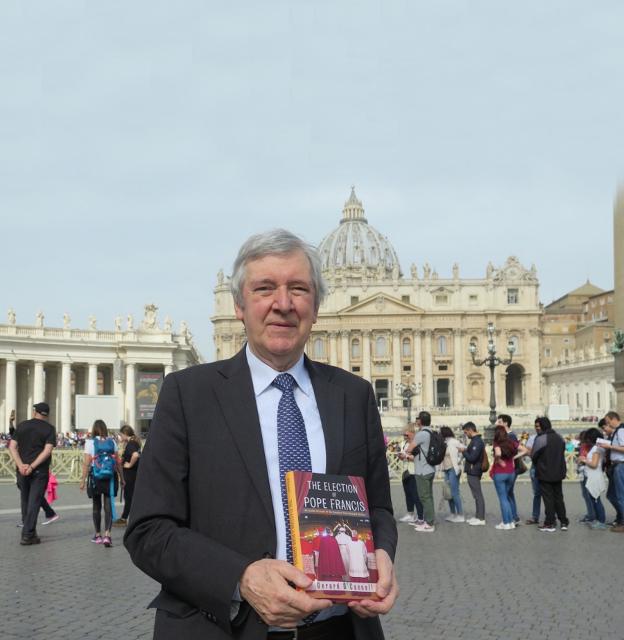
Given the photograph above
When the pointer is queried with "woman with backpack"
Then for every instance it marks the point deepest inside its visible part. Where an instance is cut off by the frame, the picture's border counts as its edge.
(130, 466)
(100, 472)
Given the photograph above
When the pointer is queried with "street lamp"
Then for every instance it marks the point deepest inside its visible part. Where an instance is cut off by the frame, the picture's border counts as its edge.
(492, 361)
(407, 392)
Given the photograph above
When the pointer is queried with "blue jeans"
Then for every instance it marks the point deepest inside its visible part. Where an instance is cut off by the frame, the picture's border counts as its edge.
(456, 503)
(615, 494)
(589, 502)
(412, 499)
(537, 495)
(598, 508)
(504, 483)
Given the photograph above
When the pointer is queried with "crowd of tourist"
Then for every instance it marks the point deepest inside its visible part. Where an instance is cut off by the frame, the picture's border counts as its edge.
(598, 454)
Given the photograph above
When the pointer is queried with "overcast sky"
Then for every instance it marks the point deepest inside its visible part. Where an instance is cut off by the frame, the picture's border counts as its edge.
(142, 142)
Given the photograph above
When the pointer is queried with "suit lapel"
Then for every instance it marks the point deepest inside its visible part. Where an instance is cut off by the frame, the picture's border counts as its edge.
(238, 403)
(330, 403)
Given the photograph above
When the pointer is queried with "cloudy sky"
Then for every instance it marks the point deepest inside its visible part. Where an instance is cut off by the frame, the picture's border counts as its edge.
(142, 142)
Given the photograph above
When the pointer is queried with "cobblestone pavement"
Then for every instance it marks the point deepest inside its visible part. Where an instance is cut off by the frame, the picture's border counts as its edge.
(461, 581)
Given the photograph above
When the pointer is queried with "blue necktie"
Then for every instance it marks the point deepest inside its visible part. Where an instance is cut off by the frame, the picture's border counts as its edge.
(292, 443)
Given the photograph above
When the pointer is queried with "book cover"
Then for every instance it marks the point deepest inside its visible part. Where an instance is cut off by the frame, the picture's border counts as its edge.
(331, 535)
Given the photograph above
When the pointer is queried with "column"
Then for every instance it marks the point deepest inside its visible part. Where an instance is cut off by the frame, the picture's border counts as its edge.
(65, 397)
(417, 358)
(130, 396)
(118, 388)
(458, 368)
(168, 369)
(11, 391)
(344, 344)
(92, 380)
(428, 382)
(333, 348)
(396, 367)
(366, 355)
(38, 390)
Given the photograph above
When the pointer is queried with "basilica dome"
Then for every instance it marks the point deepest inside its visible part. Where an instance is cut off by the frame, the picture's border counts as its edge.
(356, 246)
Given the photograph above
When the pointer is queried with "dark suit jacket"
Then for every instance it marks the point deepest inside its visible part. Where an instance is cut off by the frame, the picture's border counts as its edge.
(202, 507)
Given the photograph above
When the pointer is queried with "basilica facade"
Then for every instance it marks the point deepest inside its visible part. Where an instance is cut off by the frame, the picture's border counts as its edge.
(414, 329)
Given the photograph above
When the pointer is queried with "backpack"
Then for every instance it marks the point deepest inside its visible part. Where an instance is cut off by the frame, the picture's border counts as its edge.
(103, 459)
(437, 448)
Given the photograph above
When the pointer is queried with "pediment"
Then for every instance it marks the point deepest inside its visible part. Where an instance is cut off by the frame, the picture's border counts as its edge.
(442, 290)
(381, 304)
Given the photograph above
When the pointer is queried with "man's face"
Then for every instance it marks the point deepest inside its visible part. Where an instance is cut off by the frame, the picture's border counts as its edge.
(468, 433)
(500, 423)
(612, 423)
(278, 311)
(538, 429)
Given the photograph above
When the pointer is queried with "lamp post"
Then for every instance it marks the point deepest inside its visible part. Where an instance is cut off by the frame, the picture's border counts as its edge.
(492, 361)
(407, 391)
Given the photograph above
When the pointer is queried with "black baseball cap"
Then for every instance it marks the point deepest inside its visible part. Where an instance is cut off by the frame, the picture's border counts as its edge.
(42, 408)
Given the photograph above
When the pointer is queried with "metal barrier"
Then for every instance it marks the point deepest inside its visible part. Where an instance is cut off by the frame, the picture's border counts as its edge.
(66, 465)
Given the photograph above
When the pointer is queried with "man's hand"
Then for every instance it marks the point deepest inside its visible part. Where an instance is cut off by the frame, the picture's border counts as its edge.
(264, 585)
(25, 469)
(387, 589)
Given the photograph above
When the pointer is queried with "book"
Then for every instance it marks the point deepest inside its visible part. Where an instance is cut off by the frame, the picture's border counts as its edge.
(600, 441)
(331, 535)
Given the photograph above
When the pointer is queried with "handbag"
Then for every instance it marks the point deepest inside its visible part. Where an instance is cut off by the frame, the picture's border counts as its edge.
(519, 466)
(90, 484)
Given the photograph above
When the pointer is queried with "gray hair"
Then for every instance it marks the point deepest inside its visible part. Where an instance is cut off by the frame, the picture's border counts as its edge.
(277, 242)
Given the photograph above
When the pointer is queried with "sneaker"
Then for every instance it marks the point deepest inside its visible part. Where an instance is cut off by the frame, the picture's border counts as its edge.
(600, 526)
(417, 523)
(618, 528)
(585, 520)
(425, 528)
(31, 540)
(501, 526)
(564, 527)
(516, 521)
(122, 522)
(547, 528)
(96, 539)
(450, 518)
(531, 521)
(475, 522)
(54, 518)
(408, 517)
(107, 542)
(460, 518)
(20, 525)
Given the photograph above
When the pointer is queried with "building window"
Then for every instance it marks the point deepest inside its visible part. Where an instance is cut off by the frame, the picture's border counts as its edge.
(442, 345)
(443, 367)
(513, 296)
(381, 346)
(598, 400)
(407, 368)
(473, 300)
(587, 400)
(355, 369)
(355, 349)
(355, 299)
(405, 299)
(319, 348)
(547, 352)
(516, 343)
(441, 298)
(406, 347)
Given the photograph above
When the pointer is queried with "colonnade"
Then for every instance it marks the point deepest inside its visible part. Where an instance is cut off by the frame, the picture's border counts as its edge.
(29, 381)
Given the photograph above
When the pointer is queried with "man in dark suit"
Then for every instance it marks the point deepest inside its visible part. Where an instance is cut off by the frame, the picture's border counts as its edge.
(207, 520)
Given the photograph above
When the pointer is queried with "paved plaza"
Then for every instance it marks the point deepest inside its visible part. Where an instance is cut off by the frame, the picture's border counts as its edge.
(460, 582)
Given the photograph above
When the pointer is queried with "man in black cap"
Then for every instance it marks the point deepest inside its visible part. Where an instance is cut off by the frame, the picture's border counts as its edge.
(31, 449)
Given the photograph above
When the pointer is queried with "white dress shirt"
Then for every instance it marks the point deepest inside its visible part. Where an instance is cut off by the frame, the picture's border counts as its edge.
(267, 400)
